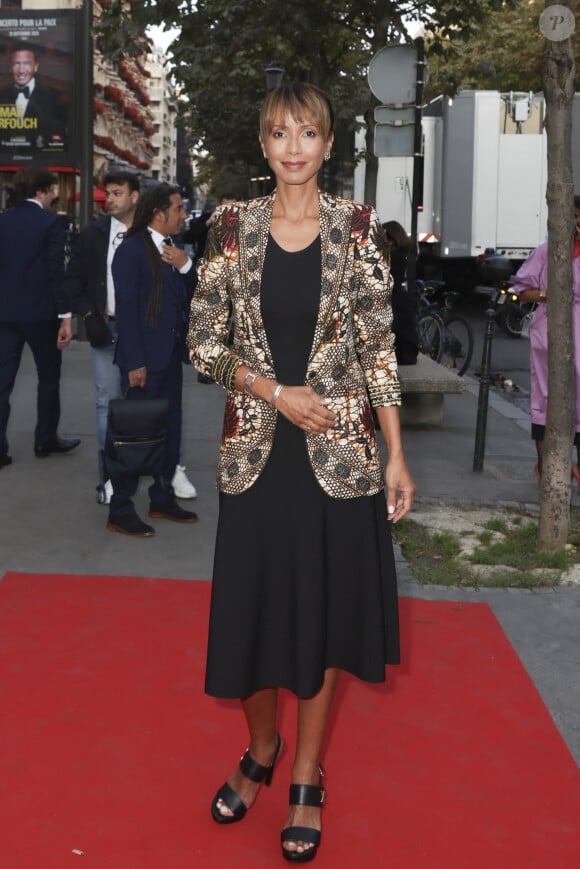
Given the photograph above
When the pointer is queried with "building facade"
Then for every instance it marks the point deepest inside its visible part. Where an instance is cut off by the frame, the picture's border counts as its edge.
(135, 113)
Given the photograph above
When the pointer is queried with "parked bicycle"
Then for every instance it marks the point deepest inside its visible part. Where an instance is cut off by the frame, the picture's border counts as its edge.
(444, 336)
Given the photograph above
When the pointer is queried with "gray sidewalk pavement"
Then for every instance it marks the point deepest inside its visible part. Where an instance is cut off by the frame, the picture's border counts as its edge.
(51, 522)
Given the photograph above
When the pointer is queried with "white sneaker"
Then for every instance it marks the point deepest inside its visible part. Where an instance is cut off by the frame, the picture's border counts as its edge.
(108, 492)
(104, 492)
(182, 487)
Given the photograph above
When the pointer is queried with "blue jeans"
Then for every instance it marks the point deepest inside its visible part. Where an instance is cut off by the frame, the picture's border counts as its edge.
(107, 386)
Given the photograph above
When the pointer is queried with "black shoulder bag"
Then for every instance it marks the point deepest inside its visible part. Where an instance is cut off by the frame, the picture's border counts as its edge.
(136, 440)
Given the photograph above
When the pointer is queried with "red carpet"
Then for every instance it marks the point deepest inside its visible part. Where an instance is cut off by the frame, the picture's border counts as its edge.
(109, 746)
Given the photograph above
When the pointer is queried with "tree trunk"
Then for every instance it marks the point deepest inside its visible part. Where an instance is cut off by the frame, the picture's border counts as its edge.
(558, 79)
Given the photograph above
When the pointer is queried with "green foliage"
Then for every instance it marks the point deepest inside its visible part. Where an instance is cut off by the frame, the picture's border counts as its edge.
(519, 548)
(504, 54)
(218, 61)
(507, 554)
(432, 557)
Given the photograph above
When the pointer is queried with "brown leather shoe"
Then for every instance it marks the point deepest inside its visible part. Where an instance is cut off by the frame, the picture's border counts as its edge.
(173, 512)
(130, 525)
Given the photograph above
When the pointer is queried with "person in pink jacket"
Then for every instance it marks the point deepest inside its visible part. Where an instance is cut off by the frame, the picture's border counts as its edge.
(531, 284)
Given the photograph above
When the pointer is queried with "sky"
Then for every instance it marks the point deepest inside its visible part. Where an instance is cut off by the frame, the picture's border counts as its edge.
(162, 37)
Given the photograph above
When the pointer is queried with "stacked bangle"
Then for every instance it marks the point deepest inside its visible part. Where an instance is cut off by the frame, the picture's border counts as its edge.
(225, 368)
(277, 392)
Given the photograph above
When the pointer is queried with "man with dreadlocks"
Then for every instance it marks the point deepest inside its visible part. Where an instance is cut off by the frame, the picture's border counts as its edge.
(151, 278)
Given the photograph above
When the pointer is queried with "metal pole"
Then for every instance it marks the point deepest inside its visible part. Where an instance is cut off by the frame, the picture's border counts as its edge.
(484, 383)
(86, 114)
(417, 163)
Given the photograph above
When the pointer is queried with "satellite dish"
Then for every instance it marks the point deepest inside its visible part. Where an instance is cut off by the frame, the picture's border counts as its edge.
(393, 74)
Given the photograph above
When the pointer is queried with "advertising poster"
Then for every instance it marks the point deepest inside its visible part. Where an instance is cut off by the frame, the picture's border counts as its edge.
(36, 86)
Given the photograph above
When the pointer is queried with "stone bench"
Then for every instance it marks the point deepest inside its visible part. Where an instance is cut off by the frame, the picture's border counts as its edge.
(423, 388)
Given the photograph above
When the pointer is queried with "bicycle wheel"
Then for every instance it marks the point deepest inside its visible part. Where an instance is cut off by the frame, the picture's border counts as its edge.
(430, 332)
(457, 345)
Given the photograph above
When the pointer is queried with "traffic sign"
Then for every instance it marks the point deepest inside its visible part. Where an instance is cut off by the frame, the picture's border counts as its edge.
(393, 74)
(394, 141)
(395, 116)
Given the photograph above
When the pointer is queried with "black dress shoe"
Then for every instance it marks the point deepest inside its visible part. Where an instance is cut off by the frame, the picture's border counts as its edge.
(173, 512)
(5, 460)
(130, 525)
(56, 445)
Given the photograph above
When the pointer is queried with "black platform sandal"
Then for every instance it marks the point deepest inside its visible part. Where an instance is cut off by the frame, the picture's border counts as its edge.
(304, 795)
(256, 773)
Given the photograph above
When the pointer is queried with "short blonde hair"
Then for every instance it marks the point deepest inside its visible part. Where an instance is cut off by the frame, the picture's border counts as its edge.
(303, 102)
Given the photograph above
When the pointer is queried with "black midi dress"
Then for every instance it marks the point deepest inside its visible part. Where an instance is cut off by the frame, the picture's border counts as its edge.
(302, 581)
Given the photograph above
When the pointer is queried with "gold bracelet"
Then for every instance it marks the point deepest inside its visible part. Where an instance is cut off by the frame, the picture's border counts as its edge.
(230, 374)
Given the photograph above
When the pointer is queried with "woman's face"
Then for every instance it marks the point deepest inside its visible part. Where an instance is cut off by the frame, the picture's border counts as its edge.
(295, 150)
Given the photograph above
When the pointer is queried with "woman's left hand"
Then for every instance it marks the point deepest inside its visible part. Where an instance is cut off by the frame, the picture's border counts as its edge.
(400, 488)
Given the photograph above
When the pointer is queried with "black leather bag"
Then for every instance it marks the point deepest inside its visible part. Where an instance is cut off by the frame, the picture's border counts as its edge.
(97, 331)
(136, 441)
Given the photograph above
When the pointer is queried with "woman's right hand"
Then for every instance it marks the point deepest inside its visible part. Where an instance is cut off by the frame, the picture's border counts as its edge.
(303, 407)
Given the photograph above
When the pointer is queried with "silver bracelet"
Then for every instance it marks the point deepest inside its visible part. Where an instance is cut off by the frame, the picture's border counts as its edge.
(277, 392)
(249, 381)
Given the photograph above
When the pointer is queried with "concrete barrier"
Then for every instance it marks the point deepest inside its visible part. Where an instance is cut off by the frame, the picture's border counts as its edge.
(423, 388)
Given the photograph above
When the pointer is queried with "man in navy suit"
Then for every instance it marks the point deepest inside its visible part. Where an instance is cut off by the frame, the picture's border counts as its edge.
(151, 278)
(33, 309)
(90, 290)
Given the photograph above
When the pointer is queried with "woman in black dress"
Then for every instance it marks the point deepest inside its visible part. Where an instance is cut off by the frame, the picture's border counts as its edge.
(304, 583)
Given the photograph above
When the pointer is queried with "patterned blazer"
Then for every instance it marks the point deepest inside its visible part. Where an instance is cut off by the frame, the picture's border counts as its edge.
(351, 361)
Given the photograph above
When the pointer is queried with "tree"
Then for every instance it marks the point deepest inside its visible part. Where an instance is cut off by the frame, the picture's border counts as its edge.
(505, 54)
(558, 70)
(224, 46)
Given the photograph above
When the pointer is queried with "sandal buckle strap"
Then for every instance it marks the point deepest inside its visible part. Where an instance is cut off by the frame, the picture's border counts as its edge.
(252, 769)
(306, 795)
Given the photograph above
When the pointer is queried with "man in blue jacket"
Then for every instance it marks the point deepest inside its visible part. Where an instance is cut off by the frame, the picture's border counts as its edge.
(91, 292)
(33, 308)
(151, 278)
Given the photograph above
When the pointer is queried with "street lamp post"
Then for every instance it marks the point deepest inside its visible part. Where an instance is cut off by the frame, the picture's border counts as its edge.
(274, 76)
(86, 114)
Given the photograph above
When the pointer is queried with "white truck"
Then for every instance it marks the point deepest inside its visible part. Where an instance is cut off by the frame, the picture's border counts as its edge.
(484, 185)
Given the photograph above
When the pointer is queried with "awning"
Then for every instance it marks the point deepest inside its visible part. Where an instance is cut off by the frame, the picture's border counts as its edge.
(98, 195)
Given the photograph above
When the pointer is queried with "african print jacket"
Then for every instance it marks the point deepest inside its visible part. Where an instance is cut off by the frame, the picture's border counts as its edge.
(352, 358)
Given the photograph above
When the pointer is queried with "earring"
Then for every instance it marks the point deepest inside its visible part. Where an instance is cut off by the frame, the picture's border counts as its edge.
(327, 156)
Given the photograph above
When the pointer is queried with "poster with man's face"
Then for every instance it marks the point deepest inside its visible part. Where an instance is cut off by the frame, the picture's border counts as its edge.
(36, 86)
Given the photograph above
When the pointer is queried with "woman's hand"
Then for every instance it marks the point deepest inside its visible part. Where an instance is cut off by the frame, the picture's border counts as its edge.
(303, 407)
(400, 488)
